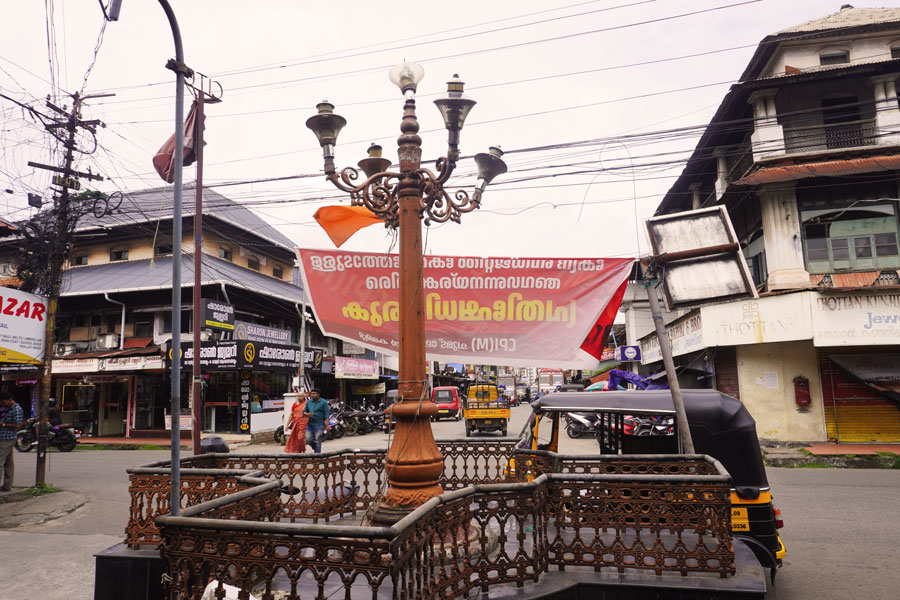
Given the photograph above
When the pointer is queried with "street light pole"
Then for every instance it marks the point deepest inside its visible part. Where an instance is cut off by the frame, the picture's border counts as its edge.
(413, 463)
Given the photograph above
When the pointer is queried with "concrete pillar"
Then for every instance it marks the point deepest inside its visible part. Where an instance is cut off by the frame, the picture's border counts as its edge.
(696, 200)
(887, 112)
(781, 231)
(721, 172)
(768, 136)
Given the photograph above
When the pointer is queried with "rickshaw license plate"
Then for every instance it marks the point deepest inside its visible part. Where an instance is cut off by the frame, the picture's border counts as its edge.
(739, 519)
(443, 412)
(487, 421)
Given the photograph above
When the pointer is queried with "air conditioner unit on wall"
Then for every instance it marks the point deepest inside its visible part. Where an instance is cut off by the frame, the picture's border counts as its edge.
(64, 349)
(107, 341)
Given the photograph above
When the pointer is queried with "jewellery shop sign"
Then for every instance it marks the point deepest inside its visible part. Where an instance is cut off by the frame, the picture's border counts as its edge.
(239, 355)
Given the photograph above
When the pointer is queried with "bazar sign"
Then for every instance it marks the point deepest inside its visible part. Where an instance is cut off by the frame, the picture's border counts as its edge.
(22, 327)
(856, 320)
(130, 363)
(355, 368)
(75, 365)
(239, 354)
(525, 311)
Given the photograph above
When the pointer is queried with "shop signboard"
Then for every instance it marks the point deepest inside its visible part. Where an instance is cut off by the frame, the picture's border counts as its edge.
(217, 315)
(22, 327)
(758, 320)
(233, 355)
(860, 319)
(352, 349)
(368, 390)
(685, 335)
(260, 333)
(552, 312)
(75, 365)
(312, 359)
(185, 422)
(244, 403)
(355, 368)
(131, 363)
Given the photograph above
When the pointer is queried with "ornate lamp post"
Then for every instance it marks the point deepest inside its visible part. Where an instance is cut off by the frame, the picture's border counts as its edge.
(414, 463)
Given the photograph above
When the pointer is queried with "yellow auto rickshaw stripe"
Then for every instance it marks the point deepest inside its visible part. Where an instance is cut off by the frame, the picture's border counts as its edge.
(763, 498)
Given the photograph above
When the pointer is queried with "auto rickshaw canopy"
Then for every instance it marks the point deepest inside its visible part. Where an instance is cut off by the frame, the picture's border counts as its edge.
(720, 425)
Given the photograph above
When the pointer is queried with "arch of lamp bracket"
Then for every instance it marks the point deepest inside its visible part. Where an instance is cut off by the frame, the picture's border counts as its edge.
(378, 193)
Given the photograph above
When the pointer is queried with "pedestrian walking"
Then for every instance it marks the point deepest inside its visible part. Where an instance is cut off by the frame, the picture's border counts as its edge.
(318, 411)
(296, 442)
(11, 423)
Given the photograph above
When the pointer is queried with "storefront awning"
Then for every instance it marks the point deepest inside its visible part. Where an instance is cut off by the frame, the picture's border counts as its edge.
(879, 371)
(826, 168)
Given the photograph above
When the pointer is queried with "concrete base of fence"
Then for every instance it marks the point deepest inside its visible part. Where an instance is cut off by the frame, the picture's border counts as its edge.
(749, 583)
(122, 572)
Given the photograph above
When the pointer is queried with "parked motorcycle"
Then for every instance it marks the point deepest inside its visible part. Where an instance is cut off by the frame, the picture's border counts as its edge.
(578, 426)
(64, 437)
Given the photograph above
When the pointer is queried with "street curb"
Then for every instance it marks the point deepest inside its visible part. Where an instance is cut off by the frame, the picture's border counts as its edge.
(794, 458)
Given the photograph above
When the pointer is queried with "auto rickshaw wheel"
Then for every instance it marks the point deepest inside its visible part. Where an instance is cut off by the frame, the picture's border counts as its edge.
(468, 429)
(503, 431)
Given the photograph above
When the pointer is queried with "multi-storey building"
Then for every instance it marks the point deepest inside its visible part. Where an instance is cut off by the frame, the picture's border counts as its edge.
(804, 153)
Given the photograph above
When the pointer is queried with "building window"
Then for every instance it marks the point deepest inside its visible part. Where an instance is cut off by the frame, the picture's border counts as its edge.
(143, 329)
(278, 272)
(79, 260)
(163, 249)
(225, 253)
(895, 51)
(253, 263)
(852, 240)
(834, 57)
(118, 254)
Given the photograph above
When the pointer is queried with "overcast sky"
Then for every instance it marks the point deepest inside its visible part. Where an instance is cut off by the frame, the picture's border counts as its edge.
(575, 76)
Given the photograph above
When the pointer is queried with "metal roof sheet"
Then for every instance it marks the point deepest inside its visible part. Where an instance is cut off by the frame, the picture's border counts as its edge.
(138, 275)
(854, 279)
(848, 16)
(157, 204)
(828, 168)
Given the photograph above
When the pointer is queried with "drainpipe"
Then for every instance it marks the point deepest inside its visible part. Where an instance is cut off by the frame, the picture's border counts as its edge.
(224, 293)
(122, 328)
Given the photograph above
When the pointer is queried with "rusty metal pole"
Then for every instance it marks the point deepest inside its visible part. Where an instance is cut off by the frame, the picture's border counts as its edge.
(684, 430)
(413, 463)
(197, 381)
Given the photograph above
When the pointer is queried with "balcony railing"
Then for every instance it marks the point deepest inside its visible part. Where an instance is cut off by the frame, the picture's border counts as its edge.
(493, 525)
(850, 134)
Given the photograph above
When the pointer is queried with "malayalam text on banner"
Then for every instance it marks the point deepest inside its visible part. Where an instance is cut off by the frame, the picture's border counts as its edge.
(516, 311)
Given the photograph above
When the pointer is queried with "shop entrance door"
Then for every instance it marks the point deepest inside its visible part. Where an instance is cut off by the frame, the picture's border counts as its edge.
(114, 402)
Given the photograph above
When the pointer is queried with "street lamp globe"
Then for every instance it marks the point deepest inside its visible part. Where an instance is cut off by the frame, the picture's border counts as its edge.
(407, 76)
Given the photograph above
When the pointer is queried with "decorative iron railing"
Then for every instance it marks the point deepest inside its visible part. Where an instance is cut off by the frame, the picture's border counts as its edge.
(465, 540)
(252, 521)
(834, 136)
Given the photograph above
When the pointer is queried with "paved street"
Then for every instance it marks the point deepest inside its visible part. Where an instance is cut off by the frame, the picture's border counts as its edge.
(841, 525)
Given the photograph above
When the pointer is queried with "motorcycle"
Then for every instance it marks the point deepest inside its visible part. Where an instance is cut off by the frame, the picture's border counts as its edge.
(578, 426)
(64, 437)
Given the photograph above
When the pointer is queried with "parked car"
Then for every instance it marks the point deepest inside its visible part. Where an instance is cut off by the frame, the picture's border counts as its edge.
(448, 402)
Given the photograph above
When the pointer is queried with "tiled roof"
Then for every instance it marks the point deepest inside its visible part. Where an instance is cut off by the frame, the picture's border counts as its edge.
(829, 168)
(149, 206)
(137, 275)
(848, 16)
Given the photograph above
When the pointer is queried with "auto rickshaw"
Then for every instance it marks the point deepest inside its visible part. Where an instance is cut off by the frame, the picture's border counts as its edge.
(485, 410)
(389, 400)
(720, 426)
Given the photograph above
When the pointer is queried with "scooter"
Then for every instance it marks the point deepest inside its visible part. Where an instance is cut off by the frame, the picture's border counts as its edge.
(64, 437)
(578, 426)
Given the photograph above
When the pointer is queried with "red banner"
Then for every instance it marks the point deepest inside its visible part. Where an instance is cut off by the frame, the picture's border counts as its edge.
(551, 312)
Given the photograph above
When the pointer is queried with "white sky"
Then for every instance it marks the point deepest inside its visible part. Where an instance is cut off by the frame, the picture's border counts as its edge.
(342, 51)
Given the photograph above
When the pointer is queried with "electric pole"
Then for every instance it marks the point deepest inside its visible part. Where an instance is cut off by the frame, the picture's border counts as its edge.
(57, 238)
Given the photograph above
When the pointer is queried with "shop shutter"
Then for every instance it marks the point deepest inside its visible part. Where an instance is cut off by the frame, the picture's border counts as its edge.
(854, 412)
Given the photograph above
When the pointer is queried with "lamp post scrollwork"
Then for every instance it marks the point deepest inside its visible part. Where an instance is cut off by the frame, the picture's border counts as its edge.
(402, 199)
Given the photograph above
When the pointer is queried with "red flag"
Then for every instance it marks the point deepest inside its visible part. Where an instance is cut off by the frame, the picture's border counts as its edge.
(164, 162)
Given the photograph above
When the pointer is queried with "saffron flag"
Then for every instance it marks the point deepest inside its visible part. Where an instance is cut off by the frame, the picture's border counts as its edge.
(548, 312)
(341, 222)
